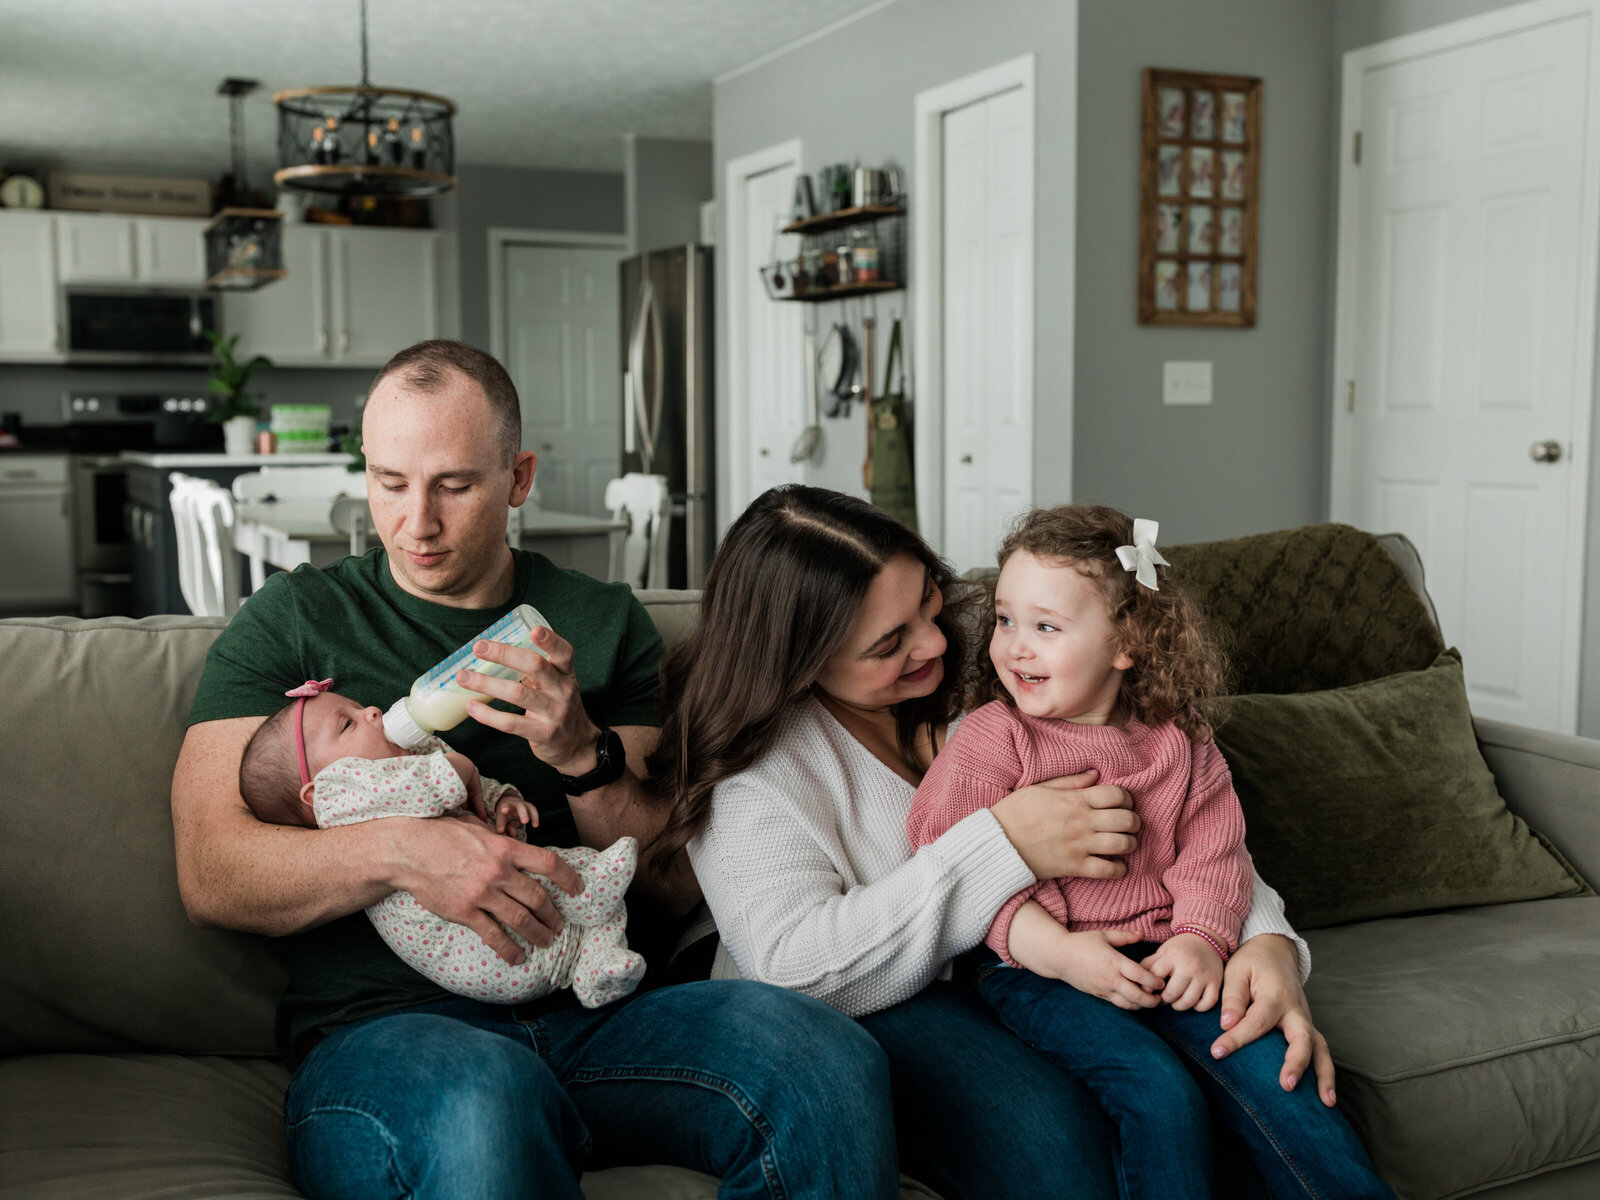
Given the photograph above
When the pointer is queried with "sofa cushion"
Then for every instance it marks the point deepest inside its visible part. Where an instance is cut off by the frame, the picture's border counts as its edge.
(137, 1126)
(1299, 610)
(1373, 800)
(1468, 1043)
(99, 953)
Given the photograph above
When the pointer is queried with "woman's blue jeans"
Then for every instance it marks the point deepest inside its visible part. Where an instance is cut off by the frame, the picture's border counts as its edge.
(778, 1094)
(1152, 1071)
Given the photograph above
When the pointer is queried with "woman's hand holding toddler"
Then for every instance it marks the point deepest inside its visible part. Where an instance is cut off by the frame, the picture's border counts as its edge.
(1192, 970)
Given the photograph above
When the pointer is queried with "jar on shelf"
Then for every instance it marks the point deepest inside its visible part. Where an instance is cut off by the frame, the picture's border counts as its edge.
(864, 254)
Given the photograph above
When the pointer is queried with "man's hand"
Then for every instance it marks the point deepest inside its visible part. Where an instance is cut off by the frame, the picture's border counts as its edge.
(552, 720)
(1192, 969)
(1069, 827)
(471, 780)
(1262, 991)
(465, 872)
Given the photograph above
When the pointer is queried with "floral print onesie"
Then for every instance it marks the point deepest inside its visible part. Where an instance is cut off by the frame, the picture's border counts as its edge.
(589, 955)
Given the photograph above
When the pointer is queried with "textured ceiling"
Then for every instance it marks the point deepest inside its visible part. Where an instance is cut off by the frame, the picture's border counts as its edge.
(552, 83)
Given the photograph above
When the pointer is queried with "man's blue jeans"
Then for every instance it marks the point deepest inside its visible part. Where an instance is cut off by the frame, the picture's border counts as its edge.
(778, 1094)
(1153, 1073)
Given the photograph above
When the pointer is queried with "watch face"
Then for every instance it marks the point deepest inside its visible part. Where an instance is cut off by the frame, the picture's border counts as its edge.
(19, 191)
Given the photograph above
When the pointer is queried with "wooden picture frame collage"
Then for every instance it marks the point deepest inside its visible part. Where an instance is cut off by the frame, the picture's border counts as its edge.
(1198, 190)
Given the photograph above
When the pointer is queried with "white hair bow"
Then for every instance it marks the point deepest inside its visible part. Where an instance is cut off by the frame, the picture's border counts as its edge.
(1142, 557)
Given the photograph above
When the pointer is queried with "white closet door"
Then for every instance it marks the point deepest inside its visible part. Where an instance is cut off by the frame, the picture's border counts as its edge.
(988, 279)
(772, 390)
(561, 336)
(1467, 348)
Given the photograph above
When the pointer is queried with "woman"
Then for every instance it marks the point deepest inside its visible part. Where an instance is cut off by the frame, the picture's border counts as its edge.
(812, 696)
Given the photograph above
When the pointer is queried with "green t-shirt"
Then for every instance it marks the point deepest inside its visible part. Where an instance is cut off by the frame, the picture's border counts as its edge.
(352, 622)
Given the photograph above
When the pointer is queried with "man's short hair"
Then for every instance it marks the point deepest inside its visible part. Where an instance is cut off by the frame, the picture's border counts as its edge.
(426, 367)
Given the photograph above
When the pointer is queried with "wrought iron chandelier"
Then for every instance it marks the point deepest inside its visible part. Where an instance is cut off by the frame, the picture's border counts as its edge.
(244, 244)
(365, 140)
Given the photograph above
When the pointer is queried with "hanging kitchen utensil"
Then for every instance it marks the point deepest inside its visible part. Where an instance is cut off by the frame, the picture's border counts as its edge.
(811, 436)
(838, 363)
(892, 482)
(868, 324)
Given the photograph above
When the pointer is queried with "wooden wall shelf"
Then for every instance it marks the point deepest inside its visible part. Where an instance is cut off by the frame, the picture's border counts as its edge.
(843, 217)
(818, 295)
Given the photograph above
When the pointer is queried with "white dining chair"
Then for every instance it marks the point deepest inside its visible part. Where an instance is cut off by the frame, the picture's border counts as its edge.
(208, 569)
(288, 483)
(639, 556)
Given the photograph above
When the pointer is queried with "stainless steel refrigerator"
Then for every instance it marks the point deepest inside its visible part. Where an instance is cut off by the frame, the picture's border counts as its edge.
(668, 394)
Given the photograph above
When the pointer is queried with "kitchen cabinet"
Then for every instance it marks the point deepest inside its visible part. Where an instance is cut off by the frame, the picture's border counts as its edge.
(36, 535)
(103, 248)
(352, 298)
(30, 321)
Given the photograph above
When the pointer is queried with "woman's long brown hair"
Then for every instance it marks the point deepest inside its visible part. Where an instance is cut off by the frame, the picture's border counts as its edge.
(779, 601)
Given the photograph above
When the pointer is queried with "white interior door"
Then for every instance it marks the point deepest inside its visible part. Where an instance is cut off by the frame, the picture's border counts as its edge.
(772, 389)
(987, 322)
(1466, 317)
(561, 337)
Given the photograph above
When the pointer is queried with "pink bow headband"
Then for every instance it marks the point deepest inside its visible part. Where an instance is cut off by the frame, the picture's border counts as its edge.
(308, 689)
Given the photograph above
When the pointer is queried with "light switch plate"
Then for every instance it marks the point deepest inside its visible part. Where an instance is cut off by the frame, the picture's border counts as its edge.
(1186, 383)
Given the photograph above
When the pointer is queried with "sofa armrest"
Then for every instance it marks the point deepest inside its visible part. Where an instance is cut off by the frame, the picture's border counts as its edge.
(1551, 781)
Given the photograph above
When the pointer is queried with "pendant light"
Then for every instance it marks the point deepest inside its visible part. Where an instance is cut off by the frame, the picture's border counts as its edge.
(365, 140)
(244, 244)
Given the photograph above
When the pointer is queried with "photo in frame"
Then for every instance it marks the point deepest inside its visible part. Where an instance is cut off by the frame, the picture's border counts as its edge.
(1199, 194)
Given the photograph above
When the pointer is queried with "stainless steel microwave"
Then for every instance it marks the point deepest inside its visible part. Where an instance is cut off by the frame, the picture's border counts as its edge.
(121, 325)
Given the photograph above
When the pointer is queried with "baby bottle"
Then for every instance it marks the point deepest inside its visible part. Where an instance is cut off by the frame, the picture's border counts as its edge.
(437, 701)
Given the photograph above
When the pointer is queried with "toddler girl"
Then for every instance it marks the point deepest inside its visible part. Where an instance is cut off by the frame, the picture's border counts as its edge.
(1097, 663)
(323, 760)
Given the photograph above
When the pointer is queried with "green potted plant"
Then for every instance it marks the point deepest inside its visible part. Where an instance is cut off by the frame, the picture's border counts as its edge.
(234, 408)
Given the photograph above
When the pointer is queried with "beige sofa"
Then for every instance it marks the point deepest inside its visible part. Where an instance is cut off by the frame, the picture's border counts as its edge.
(138, 1049)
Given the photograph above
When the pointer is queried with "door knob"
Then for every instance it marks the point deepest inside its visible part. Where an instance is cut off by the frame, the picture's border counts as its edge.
(1546, 451)
(966, 460)
(765, 452)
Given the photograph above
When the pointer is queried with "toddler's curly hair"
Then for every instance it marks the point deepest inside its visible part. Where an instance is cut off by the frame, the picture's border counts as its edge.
(1176, 660)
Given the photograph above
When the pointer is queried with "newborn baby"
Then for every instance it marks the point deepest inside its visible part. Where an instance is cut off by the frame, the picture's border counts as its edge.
(323, 760)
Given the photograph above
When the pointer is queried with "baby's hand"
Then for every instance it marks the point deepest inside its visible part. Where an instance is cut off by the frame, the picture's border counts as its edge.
(472, 780)
(1193, 971)
(1089, 961)
(513, 810)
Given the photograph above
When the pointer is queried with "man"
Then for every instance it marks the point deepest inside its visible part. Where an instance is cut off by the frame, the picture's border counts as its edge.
(400, 1088)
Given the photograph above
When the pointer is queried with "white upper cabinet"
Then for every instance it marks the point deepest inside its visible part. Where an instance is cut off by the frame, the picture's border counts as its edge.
(385, 289)
(103, 248)
(287, 320)
(95, 249)
(170, 250)
(30, 328)
(352, 298)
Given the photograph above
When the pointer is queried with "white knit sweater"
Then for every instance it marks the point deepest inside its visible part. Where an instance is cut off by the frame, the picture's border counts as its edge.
(806, 867)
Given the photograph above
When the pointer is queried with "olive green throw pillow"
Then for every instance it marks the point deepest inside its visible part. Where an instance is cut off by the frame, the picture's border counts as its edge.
(1373, 800)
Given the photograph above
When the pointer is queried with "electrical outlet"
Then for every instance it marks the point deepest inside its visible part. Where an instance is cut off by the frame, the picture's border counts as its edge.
(1186, 383)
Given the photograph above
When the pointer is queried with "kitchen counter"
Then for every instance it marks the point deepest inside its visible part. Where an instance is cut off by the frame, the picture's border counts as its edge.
(173, 460)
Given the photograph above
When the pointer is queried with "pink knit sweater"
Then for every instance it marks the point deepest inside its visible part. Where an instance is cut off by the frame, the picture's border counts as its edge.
(1191, 863)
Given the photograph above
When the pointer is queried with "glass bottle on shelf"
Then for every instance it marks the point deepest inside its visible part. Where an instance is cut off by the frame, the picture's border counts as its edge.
(864, 254)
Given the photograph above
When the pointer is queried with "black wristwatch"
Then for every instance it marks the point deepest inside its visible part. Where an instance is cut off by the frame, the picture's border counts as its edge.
(610, 761)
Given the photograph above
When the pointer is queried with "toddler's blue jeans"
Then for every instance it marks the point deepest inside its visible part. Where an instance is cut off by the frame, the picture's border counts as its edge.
(1153, 1073)
(775, 1092)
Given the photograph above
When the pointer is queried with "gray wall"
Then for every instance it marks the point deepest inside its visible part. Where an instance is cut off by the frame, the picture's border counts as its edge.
(1360, 23)
(668, 179)
(523, 198)
(1254, 459)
